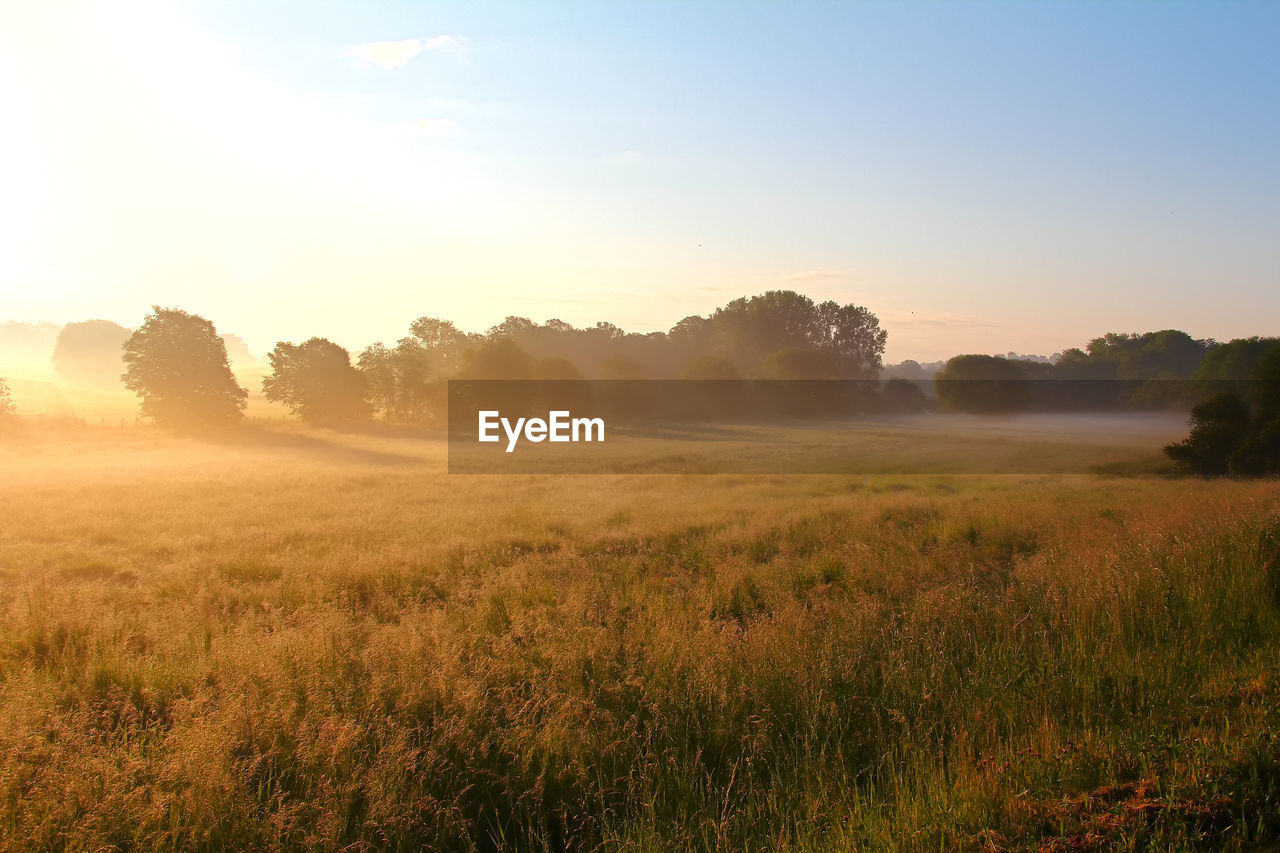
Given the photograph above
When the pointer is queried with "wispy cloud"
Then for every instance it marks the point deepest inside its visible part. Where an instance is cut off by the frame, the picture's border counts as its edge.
(625, 157)
(397, 54)
(435, 127)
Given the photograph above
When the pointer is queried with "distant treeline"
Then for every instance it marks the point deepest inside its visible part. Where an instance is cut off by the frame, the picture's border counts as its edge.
(776, 335)
(1166, 369)
(779, 335)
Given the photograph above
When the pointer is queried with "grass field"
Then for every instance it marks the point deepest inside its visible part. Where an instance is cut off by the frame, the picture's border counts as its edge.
(292, 639)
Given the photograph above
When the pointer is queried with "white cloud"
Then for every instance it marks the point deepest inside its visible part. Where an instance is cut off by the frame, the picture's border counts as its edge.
(445, 41)
(625, 157)
(435, 127)
(397, 54)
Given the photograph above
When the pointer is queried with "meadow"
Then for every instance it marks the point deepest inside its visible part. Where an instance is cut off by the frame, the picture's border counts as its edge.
(287, 638)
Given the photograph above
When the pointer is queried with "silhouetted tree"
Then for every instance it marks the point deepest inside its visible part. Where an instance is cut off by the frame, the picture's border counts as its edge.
(981, 384)
(499, 358)
(316, 381)
(556, 368)
(238, 350)
(1237, 431)
(748, 330)
(511, 326)
(799, 363)
(377, 363)
(1168, 354)
(1220, 426)
(1226, 366)
(407, 382)
(902, 396)
(852, 335)
(621, 367)
(176, 363)
(401, 382)
(89, 353)
(441, 343)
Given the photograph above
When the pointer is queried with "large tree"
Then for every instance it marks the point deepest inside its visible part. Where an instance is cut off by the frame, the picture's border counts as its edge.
(748, 330)
(982, 384)
(176, 363)
(316, 381)
(88, 353)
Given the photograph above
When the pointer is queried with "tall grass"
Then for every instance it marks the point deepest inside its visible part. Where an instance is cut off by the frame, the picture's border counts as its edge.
(338, 653)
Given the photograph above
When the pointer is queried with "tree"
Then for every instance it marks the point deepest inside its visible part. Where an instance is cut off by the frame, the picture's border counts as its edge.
(406, 382)
(377, 363)
(1237, 431)
(316, 381)
(238, 351)
(901, 396)
(748, 330)
(440, 342)
(176, 363)
(1220, 426)
(1168, 354)
(621, 367)
(497, 358)
(710, 367)
(556, 369)
(981, 384)
(852, 335)
(88, 353)
(799, 363)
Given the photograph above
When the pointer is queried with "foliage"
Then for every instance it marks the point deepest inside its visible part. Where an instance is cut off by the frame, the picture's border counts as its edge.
(748, 330)
(495, 358)
(1236, 431)
(316, 381)
(710, 367)
(176, 363)
(1220, 426)
(799, 363)
(406, 381)
(1168, 354)
(982, 384)
(1235, 360)
(903, 396)
(556, 369)
(238, 351)
(621, 367)
(89, 353)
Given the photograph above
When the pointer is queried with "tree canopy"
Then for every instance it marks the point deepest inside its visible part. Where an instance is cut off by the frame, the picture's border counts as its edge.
(981, 384)
(89, 353)
(176, 363)
(316, 381)
(1237, 431)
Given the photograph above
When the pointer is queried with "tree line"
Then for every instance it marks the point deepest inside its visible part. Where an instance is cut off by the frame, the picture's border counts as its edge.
(177, 363)
(180, 367)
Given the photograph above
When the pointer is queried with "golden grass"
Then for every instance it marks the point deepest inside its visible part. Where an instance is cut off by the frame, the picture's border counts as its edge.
(299, 639)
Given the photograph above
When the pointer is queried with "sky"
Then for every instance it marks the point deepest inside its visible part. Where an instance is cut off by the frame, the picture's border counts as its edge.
(984, 177)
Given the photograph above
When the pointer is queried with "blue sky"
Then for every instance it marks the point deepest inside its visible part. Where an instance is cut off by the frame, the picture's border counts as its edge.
(983, 176)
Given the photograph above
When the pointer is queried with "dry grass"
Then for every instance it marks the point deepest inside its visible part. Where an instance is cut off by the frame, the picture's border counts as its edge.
(293, 639)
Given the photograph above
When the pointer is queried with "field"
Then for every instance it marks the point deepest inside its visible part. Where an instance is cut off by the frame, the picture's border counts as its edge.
(287, 638)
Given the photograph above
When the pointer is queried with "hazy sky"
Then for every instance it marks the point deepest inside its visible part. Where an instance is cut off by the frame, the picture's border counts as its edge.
(982, 176)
